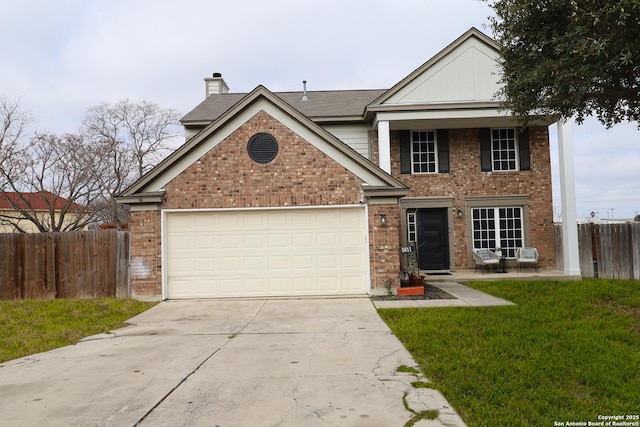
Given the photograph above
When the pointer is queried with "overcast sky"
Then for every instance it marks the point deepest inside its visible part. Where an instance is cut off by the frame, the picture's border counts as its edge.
(61, 57)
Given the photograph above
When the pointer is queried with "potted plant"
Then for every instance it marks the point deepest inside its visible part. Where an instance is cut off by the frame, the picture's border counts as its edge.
(414, 274)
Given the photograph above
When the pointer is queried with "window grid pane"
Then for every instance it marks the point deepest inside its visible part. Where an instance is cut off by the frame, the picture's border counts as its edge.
(423, 152)
(484, 228)
(411, 227)
(511, 232)
(498, 227)
(504, 152)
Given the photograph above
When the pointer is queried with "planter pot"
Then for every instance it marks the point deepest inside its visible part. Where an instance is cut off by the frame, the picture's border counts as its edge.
(411, 290)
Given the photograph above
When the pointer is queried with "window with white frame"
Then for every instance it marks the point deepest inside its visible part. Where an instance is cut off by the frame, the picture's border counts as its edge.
(424, 152)
(411, 227)
(504, 150)
(498, 228)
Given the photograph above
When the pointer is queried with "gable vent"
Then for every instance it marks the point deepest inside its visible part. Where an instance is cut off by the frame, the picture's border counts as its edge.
(262, 147)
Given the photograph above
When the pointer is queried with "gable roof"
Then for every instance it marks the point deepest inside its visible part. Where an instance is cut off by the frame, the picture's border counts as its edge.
(39, 201)
(358, 105)
(471, 34)
(152, 183)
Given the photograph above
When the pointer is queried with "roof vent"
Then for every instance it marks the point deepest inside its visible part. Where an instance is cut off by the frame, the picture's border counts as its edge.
(262, 147)
(304, 93)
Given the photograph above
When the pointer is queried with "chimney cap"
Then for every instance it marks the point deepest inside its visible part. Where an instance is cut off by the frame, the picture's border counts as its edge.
(217, 75)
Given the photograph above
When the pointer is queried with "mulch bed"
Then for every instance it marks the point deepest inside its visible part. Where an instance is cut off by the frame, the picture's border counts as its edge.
(430, 292)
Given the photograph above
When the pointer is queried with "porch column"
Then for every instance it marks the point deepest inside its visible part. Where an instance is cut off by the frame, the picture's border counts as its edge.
(384, 146)
(568, 199)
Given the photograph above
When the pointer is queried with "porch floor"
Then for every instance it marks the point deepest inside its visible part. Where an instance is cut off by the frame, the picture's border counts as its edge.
(511, 274)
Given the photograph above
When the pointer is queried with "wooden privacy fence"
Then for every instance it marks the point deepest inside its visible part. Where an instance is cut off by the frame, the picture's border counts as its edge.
(81, 264)
(610, 251)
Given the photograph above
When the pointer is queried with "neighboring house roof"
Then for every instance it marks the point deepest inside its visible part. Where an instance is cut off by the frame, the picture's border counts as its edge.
(148, 188)
(38, 201)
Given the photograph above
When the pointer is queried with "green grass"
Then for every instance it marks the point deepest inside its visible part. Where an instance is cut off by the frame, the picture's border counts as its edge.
(568, 351)
(31, 326)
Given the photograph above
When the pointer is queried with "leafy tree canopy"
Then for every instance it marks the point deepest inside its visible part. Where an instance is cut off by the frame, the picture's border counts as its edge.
(570, 57)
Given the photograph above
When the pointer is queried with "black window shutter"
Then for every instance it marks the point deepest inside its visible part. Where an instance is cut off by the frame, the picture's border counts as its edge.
(405, 151)
(443, 150)
(524, 151)
(485, 150)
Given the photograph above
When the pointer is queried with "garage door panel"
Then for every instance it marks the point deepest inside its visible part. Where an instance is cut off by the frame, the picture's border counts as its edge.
(327, 239)
(226, 221)
(230, 264)
(227, 241)
(266, 252)
(351, 259)
(329, 261)
(253, 264)
(206, 265)
(227, 284)
(279, 286)
(304, 285)
(279, 263)
(301, 262)
(301, 240)
(351, 284)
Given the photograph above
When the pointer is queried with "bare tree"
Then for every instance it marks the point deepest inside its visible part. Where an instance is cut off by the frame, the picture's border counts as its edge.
(63, 183)
(133, 138)
(48, 182)
(143, 130)
(14, 122)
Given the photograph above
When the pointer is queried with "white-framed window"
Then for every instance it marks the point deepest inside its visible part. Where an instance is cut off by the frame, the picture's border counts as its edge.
(498, 228)
(424, 152)
(504, 149)
(411, 227)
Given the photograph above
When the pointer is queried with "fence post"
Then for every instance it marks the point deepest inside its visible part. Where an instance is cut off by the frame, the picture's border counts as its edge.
(635, 248)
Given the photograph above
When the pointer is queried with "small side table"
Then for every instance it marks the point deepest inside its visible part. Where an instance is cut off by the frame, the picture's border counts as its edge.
(502, 265)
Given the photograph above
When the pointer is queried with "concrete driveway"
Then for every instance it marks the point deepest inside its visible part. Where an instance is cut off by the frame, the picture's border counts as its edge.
(286, 362)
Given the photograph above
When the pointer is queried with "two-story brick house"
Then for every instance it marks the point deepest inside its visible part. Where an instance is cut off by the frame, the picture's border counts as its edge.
(314, 193)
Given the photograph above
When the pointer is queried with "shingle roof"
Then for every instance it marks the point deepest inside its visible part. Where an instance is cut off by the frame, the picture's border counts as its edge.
(325, 104)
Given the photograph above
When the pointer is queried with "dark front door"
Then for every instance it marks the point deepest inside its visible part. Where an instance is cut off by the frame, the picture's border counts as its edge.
(433, 239)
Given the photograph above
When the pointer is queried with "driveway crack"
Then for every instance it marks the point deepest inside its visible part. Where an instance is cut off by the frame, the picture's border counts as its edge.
(205, 360)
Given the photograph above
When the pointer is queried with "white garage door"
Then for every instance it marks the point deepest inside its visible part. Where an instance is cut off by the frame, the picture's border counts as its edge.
(271, 252)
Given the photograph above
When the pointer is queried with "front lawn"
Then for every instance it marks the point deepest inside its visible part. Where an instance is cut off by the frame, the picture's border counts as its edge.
(30, 326)
(568, 351)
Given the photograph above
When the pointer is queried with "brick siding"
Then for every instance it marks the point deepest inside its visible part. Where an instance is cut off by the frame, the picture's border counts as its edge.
(226, 177)
(467, 180)
(301, 175)
(384, 247)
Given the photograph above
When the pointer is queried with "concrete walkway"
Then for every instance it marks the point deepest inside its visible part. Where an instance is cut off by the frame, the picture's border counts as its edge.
(464, 297)
(297, 362)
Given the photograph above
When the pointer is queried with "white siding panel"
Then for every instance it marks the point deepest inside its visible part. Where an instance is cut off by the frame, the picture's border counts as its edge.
(355, 136)
(277, 252)
(469, 73)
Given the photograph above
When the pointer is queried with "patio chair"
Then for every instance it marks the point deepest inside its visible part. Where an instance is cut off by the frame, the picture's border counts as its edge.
(485, 258)
(527, 257)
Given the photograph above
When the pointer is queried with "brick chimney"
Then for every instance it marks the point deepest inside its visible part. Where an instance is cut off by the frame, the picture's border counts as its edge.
(215, 85)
